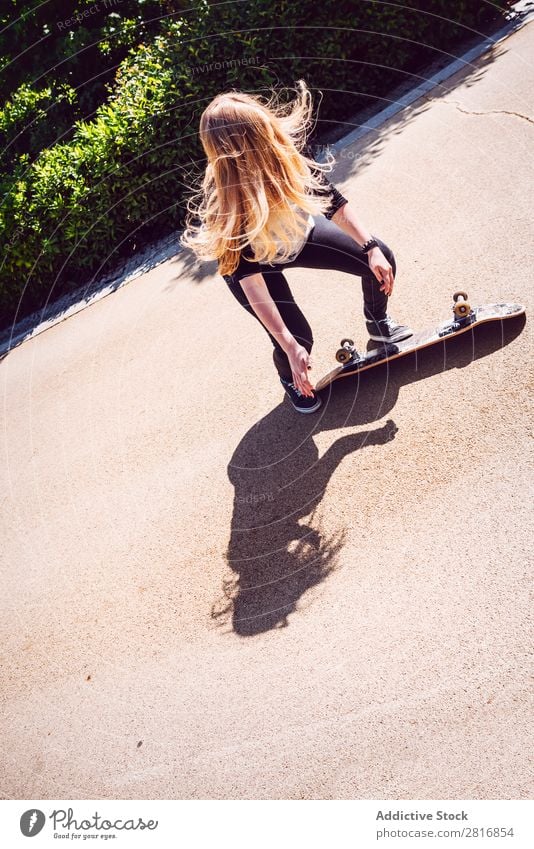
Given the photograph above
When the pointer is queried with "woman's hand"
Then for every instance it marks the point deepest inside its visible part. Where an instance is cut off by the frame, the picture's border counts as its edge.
(300, 362)
(381, 269)
(259, 298)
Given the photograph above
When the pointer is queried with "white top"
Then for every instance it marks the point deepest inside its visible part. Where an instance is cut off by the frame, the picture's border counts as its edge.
(298, 244)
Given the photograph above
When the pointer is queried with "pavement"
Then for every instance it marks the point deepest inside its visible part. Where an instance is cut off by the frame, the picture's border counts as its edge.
(207, 595)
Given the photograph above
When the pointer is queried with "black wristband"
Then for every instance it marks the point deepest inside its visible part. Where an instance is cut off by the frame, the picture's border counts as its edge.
(370, 243)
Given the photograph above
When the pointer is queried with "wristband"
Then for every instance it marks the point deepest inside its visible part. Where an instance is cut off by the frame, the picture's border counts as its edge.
(370, 243)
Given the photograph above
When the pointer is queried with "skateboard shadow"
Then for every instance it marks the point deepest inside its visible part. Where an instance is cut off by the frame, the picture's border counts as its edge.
(277, 549)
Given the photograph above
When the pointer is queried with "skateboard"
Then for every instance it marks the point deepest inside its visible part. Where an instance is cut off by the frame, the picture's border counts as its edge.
(464, 318)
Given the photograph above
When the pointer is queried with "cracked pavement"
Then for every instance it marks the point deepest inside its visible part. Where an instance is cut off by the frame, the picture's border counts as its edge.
(489, 111)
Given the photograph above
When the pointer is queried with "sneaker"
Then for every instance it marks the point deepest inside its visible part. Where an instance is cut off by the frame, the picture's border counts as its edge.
(387, 330)
(302, 403)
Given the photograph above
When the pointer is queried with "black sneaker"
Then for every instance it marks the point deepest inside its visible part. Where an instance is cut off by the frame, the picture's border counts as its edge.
(302, 403)
(387, 330)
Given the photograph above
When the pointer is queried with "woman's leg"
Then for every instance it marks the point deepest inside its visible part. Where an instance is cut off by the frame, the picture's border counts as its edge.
(329, 247)
(292, 316)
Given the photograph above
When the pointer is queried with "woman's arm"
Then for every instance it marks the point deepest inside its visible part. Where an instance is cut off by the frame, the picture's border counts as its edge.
(347, 220)
(260, 300)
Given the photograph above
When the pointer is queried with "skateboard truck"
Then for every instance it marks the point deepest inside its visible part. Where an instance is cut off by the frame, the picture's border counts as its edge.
(460, 306)
(463, 314)
(347, 351)
(347, 354)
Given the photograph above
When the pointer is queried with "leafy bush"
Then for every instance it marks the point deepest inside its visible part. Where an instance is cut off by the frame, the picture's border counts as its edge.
(71, 208)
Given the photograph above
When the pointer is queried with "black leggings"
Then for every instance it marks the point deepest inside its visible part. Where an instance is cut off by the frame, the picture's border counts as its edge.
(327, 247)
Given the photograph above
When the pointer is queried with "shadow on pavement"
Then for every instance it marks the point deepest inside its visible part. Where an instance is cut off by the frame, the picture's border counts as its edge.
(277, 548)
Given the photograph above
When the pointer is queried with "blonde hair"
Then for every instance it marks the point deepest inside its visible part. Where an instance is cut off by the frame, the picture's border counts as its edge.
(255, 177)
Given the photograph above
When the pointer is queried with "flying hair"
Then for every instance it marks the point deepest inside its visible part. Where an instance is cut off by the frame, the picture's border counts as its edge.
(257, 173)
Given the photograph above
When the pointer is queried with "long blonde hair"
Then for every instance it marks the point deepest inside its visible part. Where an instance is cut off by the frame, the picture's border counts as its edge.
(255, 177)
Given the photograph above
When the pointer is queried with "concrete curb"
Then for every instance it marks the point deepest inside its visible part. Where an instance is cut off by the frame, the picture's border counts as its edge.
(166, 248)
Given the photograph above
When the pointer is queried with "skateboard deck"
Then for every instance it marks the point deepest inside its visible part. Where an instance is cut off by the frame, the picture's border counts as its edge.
(464, 318)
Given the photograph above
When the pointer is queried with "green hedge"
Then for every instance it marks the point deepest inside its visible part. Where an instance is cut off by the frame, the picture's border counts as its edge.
(71, 212)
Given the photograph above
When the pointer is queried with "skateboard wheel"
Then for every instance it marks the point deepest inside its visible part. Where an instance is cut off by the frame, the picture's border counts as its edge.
(458, 295)
(461, 309)
(343, 355)
(345, 342)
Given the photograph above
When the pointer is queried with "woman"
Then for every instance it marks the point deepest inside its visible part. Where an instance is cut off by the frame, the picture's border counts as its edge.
(265, 205)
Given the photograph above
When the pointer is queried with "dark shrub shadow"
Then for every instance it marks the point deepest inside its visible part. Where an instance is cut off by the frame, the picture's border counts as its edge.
(277, 548)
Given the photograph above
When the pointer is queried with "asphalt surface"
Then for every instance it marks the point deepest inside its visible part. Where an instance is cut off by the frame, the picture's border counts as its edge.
(207, 595)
